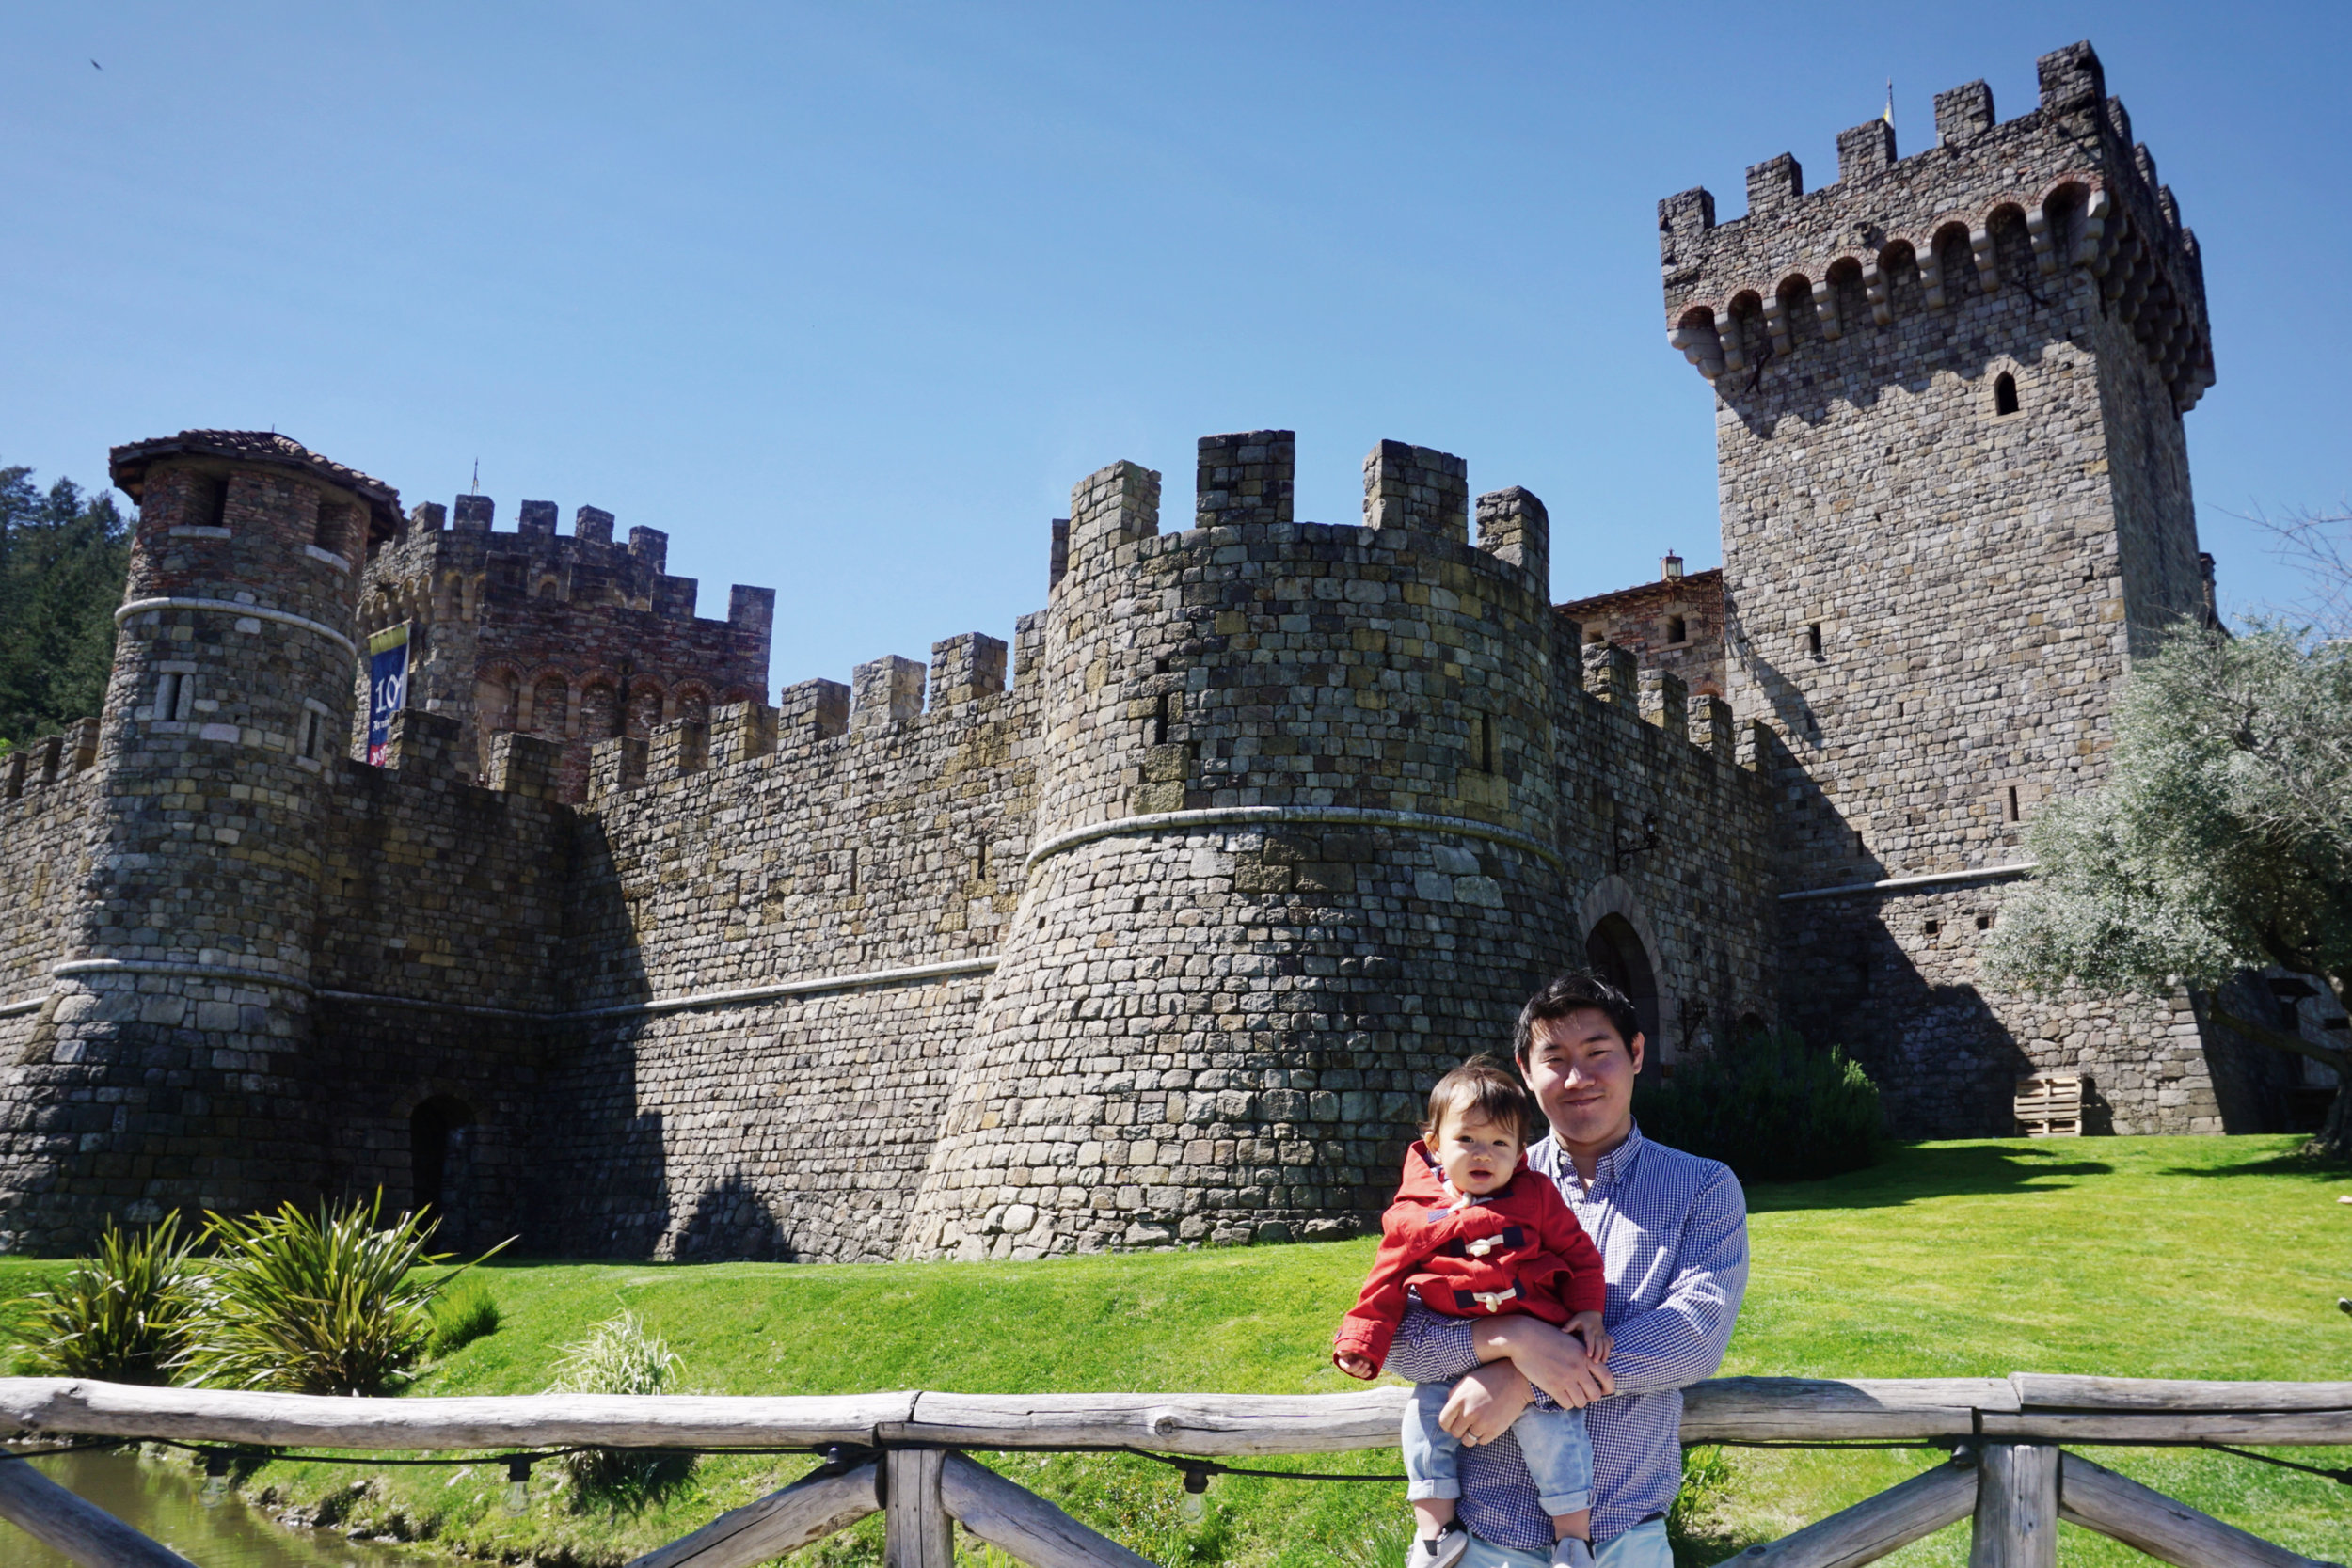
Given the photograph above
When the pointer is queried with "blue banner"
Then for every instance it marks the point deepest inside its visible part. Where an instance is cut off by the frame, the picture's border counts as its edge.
(387, 686)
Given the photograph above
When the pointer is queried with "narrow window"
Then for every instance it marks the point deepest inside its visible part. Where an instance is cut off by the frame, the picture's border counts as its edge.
(980, 858)
(1984, 923)
(1932, 927)
(212, 500)
(1156, 730)
(854, 871)
(1482, 743)
(1677, 631)
(2013, 802)
(1813, 639)
(1596, 636)
(309, 734)
(168, 695)
(334, 519)
(2005, 394)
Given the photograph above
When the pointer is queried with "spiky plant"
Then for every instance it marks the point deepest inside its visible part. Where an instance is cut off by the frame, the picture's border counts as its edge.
(326, 1303)
(123, 1315)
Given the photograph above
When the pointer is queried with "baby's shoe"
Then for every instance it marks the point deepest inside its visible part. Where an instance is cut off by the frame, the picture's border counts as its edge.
(1442, 1550)
(1571, 1552)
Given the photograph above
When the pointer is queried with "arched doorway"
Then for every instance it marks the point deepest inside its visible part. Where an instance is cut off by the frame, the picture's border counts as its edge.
(1614, 951)
(436, 1151)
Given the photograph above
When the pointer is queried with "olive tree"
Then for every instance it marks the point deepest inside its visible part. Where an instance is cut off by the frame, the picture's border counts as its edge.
(2220, 841)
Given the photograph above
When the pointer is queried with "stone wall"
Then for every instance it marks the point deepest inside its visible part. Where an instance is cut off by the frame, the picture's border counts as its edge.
(47, 791)
(801, 854)
(1894, 975)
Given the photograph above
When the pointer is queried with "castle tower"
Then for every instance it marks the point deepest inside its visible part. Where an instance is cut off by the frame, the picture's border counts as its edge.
(171, 1055)
(1295, 855)
(1955, 505)
(576, 638)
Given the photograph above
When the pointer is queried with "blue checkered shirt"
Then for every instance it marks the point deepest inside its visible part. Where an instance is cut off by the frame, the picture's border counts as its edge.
(1673, 1234)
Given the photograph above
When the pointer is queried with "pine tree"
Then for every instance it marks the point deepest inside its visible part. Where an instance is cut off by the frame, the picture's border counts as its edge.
(63, 557)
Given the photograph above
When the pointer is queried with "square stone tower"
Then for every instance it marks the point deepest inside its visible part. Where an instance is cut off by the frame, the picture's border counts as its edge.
(1955, 504)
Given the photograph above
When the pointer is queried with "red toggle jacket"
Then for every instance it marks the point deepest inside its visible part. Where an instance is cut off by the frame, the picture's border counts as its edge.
(1517, 1250)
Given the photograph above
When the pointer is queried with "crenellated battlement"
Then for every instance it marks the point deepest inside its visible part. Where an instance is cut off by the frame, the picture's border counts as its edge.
(2013, 207)
(473, 559)
(886, 698)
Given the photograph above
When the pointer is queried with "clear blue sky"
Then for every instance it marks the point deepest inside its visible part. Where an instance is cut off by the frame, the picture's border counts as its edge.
(845, 296)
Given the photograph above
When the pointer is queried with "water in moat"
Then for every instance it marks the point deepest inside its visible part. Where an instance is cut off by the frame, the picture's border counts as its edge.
(162, 1502)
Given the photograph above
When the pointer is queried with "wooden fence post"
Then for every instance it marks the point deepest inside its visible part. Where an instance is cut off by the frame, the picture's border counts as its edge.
(916, 1532)
(2017, 1494)
(82, 1532)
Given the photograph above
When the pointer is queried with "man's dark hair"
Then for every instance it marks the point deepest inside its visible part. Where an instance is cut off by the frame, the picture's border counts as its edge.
(1580, 991)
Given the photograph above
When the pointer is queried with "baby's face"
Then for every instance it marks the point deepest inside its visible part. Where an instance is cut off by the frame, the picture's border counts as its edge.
(1478, 1157)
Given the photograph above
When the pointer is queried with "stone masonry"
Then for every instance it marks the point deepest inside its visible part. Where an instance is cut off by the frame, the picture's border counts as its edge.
(1152, 925)
(1955, 503)
(571, 637)
(1674, 624)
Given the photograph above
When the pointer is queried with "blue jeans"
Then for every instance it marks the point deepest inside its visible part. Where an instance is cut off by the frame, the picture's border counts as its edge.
(1558, 1455)
(1643, 1546)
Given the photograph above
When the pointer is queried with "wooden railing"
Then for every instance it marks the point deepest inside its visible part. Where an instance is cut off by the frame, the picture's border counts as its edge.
(900, 1454)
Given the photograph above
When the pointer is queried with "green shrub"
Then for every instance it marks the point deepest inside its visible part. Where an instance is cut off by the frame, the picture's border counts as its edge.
(122, 1316)
(325, 1305)
(618, 1357)
(463, 1315)
(1770, 1107)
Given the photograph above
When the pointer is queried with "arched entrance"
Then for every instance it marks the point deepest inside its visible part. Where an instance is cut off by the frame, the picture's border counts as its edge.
(1613, 949)
(436, 1151)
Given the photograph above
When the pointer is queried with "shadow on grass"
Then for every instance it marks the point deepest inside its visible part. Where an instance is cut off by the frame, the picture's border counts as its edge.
(627, 1480)
(1911, 1173)
(2293, 1162)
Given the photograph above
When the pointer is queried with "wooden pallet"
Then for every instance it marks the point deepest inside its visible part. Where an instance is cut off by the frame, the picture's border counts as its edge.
(2050, 1105)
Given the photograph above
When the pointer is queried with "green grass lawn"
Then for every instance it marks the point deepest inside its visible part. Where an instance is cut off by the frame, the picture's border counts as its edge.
(2132, 1257)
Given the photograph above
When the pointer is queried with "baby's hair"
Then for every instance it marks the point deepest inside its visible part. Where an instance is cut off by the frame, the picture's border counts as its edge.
(1480, 1090)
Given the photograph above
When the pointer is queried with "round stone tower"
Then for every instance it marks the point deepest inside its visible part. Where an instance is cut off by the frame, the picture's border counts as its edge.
(1294, 854)
(170, 1058)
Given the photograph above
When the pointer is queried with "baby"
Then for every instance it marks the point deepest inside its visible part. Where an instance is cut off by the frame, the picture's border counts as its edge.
(1473, 1232)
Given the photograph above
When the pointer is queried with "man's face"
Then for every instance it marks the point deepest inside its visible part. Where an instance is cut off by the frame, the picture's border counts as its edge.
(1582, 1072)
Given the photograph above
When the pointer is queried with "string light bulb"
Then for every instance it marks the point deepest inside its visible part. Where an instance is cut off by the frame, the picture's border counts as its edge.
(1194, 1504)
(215, 1480)
(517, 1498)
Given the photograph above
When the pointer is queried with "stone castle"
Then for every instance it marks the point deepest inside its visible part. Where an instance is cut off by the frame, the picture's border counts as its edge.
(1153, 927)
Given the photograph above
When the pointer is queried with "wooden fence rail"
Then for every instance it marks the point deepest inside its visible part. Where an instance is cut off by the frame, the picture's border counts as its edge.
(2007, 1473)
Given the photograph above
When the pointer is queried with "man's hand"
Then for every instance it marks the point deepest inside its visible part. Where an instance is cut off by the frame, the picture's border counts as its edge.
(1485, 1403)
(1553, 1361)
(1357, 1366)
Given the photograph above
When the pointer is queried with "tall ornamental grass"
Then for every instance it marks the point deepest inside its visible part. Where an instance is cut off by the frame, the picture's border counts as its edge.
(125, 1315)
(618, 1356)
(1770, 1107)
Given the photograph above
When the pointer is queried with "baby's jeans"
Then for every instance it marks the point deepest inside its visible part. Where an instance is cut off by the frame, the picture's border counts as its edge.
(1558, 1455)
